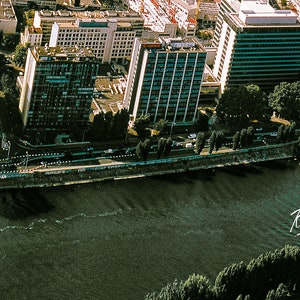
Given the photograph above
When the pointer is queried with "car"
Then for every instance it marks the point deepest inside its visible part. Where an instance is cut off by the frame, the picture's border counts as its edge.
(274, 134)
(189, 145)
(192, 136)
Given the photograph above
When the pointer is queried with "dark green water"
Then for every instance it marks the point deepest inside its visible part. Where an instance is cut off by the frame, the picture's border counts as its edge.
(122, 240)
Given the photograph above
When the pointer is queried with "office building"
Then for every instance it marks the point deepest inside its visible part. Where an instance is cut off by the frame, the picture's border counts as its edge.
(164, 79)
(57, 88)
(258, 45)
(226, 6)
(8, 19)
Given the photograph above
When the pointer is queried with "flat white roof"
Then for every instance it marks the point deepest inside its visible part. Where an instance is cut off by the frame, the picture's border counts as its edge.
(256, 12)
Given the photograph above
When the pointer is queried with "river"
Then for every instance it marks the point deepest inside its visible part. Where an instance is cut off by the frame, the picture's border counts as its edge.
(124, 239)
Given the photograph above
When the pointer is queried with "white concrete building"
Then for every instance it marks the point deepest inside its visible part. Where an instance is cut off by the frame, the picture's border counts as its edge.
(8, 19)
(258, 45)
(31, 35)
(168, 16)
(111, 38)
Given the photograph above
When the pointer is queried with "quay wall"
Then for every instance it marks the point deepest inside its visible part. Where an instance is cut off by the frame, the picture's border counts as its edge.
(121, 170)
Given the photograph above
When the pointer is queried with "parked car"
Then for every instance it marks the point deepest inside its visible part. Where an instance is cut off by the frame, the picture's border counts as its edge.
(192, 136)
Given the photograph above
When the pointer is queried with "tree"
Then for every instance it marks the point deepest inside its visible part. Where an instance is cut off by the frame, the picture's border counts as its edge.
(236, 140)
(164, 147)
(243, 138)
(219, 140)
(142, 149)
(160, 125)
(141, 126)
(201, 124)
(200, 142)
(239, 105)
(250, 135)
(120, 124)
(197, 287)
(285, 100)
(2, 63)
(11, 40)
(212, 141)
(20, 54)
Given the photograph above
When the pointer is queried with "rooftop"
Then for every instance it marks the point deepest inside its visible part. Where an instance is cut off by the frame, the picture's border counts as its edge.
(62, 53)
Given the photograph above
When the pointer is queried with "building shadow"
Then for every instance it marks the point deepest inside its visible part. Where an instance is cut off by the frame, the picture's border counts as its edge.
(23, 203)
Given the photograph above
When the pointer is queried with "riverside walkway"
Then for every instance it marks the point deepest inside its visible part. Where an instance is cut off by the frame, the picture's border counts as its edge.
(108, 169)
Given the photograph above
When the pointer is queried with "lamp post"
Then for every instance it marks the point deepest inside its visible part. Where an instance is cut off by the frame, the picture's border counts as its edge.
(172, 125)
(26, 163)
(8, 149)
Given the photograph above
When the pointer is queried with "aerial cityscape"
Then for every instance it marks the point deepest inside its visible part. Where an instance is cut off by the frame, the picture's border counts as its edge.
(94, 91)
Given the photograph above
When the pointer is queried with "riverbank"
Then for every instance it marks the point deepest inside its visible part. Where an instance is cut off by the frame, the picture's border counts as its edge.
(120, 170)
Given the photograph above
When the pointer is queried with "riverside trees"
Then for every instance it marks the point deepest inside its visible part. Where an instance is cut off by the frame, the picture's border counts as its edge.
(273, 275)
(239, 105)
(285, 100)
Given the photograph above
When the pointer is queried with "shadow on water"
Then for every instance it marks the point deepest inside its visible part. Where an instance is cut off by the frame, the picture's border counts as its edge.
(186, 177)
(19, 204)
(278, 164)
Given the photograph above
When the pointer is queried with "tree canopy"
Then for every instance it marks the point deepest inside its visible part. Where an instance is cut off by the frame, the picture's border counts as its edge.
(285, 100)
(242, 104)
(20, 54)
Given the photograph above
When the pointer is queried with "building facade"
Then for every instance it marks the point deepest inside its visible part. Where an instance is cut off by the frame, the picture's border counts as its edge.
(164, 79)
(57, 88)
(8, 19)
(258, 45)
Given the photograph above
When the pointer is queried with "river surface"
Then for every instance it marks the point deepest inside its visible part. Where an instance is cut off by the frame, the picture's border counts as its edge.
(124, 239)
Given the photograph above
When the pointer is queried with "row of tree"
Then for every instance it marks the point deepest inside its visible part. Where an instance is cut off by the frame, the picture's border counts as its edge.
(273, 275)
(243, 138)
(109, 126)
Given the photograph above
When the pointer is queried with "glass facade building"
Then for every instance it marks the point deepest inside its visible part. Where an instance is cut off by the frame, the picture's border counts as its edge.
(258, 45)
(58, 88)
(165, 79)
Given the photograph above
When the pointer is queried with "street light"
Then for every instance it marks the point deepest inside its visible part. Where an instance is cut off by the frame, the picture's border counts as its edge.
(26, 160)
(172, 125)
(8, 149)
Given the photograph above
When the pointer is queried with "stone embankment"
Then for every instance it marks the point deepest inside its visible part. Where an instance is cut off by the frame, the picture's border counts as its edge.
(117, 170)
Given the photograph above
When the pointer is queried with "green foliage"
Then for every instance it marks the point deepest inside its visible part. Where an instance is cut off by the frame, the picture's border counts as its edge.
(9, 89)
(142, 149)
(141, 126)
(200, 142)
(243, 138)
(20, 55)
(201, 124)
(286, 133)
(197, 287)
(164, 147)
(173, 291)
(239, 105)
(160, 125)
(11, 40)
(108, 126)
(219, 140)
(283, 3)
(285, 100)
(271, 276)
(236, 140)
(212, 141)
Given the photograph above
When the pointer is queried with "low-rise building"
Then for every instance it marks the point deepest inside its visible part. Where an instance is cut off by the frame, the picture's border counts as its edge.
(8, 19)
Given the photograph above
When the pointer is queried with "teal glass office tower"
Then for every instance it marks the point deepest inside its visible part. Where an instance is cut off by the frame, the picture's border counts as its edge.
(165, 79)
(258, 45)
(58, 88)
